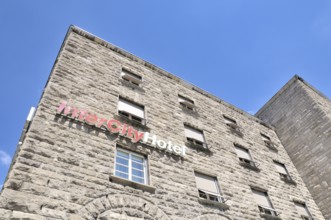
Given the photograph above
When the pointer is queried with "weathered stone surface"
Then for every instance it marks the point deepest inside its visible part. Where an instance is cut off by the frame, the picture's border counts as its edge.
(63, 167)
(302, 117)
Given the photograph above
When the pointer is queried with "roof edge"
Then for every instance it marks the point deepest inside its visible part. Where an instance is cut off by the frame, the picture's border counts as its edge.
(147, 64)
(284, 88)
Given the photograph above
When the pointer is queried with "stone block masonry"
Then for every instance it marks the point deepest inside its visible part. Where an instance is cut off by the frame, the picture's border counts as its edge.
(302, 117)
(65, 169)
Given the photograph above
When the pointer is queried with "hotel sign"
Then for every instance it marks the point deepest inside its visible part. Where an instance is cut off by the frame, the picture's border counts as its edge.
(117, 127)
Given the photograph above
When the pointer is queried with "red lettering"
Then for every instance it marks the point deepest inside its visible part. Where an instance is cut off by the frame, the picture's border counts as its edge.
(63, 108)
(130, 132)
(74, 113)
(111, 127)
(137, 136)
(91, 119)
(101, 122)
(124, 129)
(82, 115)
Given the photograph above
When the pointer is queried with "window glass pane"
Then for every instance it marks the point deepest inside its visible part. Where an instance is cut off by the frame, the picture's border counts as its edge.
(122, 168)
(137, 173)
(122, 154)
(130, 166)
(120, 160)
(123, 175)
(137, 159)
(137, 179)
(138, 166)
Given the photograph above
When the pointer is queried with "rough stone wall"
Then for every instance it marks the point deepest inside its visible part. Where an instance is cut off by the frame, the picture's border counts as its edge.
(62, 169)
(302, 117)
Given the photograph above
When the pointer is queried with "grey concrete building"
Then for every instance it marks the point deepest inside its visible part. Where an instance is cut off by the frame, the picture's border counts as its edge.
(302, 118)
(115, 137)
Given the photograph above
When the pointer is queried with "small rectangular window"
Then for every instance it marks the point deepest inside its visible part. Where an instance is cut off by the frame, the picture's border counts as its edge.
(131, 110)
(263, 202)
(243, 154)
(131, 166)
(303, 211)
(186, 103)
(265, 137)
(229, 121)
(284, 175)
(208, 187)
(267, 141)
(194, 136)
(131, 77)
(280, 168)
(232, 124)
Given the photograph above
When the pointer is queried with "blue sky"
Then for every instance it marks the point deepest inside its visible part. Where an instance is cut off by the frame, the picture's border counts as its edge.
(242, 51)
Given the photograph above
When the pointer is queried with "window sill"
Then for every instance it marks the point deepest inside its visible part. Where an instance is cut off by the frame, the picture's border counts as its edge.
(271, 145)
(250, 166)
(203, 147)
(270, 217)
(125, 182)
(189, 111)
(220, 205)
(236, 131)
(288, 180)
(130, 121)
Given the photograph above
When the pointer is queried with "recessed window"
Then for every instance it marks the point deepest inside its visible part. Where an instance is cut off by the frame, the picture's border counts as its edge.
(208, 187)
(245, 157)
(195, 136)
(131, 111)
(284, 175)
(267, 141)
(303, 211)
(243, 154)
(232, 124)
(131, 166)
(131, 77)
(186, 103)
(263, 202)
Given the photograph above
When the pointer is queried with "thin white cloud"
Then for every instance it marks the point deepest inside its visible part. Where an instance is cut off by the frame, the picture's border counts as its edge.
(5, 159)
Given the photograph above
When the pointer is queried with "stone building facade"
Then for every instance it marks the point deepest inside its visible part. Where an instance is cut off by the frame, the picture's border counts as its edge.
(302, 118)
(115, 137)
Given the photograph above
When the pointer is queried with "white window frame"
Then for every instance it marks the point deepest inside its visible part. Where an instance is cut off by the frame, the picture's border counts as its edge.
(131, 77)
(130, 175)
